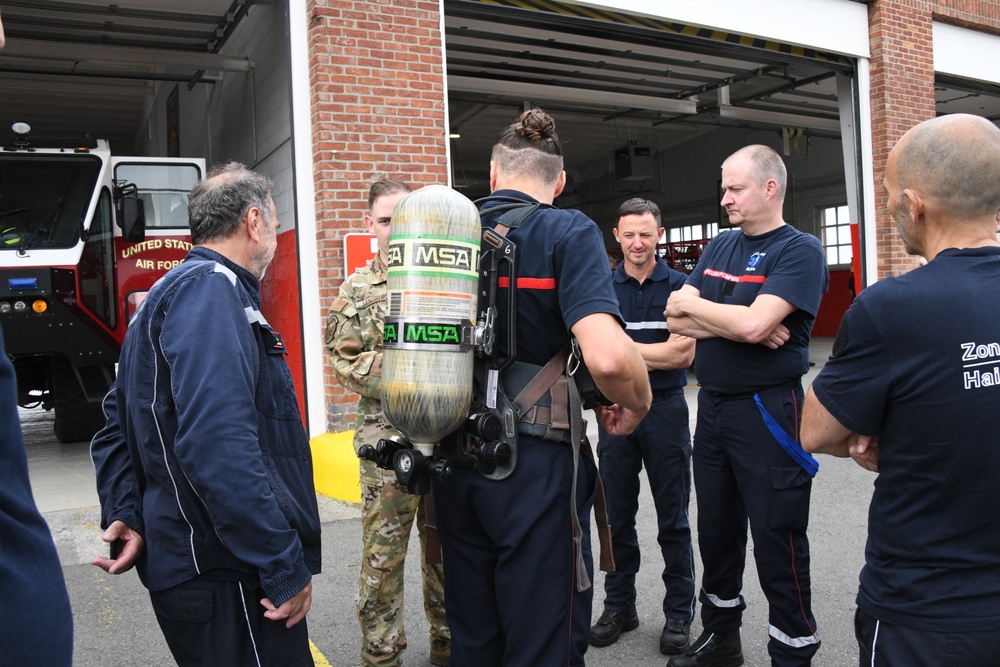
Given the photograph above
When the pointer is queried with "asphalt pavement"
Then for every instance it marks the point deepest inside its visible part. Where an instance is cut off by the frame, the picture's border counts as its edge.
(114, 624)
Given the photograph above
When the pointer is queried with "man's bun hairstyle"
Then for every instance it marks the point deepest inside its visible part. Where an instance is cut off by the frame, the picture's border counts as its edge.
(530, 147)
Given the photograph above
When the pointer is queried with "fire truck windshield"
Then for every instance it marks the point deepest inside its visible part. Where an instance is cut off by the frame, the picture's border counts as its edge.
(44, 198)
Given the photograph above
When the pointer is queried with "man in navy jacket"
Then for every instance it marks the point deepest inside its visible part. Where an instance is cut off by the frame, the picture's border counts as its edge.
(204, 468)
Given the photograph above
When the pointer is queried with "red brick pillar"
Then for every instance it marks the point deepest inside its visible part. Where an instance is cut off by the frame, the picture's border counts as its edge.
(902, 95)
(378, 109)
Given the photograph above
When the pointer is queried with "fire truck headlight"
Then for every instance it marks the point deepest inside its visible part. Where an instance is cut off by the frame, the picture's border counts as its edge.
(4, 307)
(39, 306)
(20, 306)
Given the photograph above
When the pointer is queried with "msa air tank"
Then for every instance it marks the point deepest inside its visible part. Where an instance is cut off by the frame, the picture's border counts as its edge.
(428, 339)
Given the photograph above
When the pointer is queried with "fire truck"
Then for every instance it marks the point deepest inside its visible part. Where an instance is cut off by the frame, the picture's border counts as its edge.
(83, 236)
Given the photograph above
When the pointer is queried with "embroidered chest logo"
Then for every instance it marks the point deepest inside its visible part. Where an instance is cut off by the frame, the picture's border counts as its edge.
(755, 259)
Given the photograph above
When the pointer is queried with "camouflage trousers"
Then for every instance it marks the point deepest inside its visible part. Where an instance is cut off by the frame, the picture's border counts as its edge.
(387, 516)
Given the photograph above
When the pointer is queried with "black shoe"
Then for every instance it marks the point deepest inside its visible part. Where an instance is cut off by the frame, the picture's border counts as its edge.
(712, 649)
(610, 627)
(674, 638)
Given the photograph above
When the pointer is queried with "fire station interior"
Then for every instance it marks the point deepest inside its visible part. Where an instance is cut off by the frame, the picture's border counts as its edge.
(643, 107)
(89, 67)
(650, 109)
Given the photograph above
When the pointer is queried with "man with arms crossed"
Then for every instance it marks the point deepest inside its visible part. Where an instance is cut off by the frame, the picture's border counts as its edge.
(911, 392)
(751, 303)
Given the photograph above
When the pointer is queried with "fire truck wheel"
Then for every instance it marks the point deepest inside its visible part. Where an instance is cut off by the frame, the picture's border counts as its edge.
(77, 420)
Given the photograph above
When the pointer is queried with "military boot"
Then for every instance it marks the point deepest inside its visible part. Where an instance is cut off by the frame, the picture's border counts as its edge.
(611, 625)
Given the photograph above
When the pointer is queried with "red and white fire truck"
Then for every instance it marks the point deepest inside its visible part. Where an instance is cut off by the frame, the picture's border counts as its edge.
(83, 236)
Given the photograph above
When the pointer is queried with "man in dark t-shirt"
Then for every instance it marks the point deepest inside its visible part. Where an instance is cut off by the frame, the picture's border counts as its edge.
(751, 303)
(515, 558)
(911, 392)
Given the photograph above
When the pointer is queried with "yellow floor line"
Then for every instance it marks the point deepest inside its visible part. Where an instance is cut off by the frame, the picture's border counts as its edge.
(318, 657)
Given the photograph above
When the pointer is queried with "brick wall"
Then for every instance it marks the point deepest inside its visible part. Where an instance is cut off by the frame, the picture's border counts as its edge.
(902, 88)
(902, 95)
(378, 108)
(976, 14)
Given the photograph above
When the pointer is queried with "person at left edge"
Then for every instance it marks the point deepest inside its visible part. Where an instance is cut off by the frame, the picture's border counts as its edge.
(661, 443)
(36, 623)
(203, 468)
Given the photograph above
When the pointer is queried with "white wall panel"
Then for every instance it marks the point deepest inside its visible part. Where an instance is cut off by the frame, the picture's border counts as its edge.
(967, 53)
(840, 26)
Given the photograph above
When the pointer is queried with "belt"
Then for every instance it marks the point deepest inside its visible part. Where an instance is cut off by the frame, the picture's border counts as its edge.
(660, 394)
(537, 420)
(727, 396)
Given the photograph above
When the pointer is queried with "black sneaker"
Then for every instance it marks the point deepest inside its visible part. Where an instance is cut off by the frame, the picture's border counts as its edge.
(674, 638)
(712, 649)
(610, 627)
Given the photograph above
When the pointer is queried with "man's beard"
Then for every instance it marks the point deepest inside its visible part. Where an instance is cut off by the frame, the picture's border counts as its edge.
(904, 227)
(260, 259)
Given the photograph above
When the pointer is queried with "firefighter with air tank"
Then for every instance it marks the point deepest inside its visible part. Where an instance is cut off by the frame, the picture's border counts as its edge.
(488, 323)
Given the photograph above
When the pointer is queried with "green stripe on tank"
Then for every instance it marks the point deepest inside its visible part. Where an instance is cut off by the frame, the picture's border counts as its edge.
(464, 275)
(436, 237)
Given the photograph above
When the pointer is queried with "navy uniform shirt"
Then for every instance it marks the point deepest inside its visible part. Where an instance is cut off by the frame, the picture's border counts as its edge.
(642, 309)
(917, 361)
(734, 269)
(562, 278)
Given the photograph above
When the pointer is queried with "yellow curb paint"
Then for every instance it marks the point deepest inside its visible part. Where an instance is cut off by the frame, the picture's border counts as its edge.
(318, 657)
(335, 466)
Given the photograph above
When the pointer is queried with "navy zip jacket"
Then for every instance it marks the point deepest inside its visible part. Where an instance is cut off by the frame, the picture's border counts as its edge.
(36, 622)
(204, 453)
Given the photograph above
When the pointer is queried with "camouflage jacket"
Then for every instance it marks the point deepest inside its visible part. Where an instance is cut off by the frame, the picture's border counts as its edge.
(354, 339)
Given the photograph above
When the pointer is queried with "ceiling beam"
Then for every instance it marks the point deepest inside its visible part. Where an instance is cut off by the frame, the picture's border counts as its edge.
(112, 11)
(78, 89)
(538, 91)
(115, 55)
(778, 118)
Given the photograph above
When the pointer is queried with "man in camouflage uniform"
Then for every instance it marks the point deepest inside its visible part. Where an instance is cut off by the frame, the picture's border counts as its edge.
(354, 339)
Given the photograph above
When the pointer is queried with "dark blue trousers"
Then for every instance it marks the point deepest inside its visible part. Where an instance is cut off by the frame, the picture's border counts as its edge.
(883, 644)
(213, 622)
(741, 476)
(661, 444)
(509, 561)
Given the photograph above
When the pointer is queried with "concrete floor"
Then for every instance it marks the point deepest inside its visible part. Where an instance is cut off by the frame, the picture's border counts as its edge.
(114, 623)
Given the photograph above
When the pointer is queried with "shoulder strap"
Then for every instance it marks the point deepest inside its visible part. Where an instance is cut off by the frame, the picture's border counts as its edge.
(514, 211)
(567, 413)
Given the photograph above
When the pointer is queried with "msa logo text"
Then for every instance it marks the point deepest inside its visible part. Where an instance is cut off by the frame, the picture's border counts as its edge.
(439, 255)
(422, 333)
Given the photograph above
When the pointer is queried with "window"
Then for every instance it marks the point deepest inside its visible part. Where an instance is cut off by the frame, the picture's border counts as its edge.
(44, 198)
(693, 232)
(835, 232)
(163, 189)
